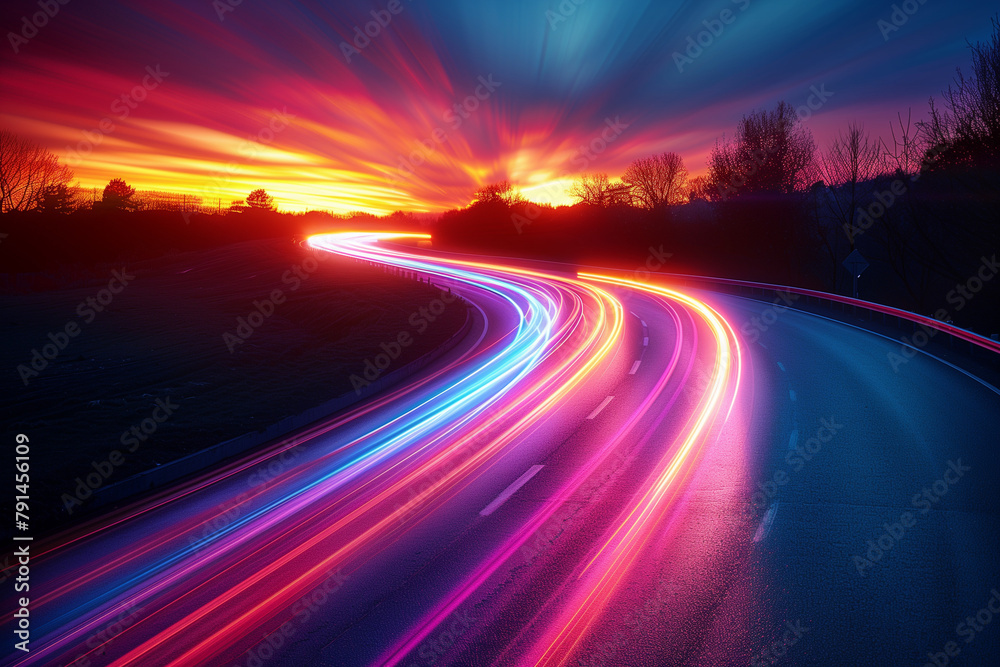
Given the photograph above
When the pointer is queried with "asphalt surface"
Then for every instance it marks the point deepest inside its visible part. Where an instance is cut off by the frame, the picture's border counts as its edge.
(578, 482)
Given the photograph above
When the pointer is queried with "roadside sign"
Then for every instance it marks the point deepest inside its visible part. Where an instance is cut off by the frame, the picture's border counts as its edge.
(856, 264)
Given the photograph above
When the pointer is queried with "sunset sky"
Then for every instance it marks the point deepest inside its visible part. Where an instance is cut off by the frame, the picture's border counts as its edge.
(217, 98)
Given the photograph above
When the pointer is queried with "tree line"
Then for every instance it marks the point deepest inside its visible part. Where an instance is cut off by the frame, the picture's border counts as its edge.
(33, 179)
(922, 205)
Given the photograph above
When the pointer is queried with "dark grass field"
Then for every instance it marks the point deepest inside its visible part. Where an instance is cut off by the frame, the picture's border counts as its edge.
(158, 353)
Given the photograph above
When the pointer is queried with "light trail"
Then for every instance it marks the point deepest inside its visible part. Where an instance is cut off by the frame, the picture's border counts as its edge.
(208, 598)
(610, 566)
(641, 519)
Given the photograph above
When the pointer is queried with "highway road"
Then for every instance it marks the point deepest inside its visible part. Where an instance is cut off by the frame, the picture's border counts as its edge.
(603, 472)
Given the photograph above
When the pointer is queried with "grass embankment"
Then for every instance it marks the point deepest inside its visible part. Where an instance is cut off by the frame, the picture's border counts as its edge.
(165, 369)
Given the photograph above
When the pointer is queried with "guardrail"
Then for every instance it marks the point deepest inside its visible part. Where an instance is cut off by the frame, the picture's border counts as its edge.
(976, 341)
(920, 323)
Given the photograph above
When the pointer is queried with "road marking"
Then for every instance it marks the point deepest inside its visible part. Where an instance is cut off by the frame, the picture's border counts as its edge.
(981, 381)
(791, 394)
(635, 367)
(643, 322)
(793, 439)
(645, 341)
(765, 525)
(600, 407)
(781, 366)
(510, 490)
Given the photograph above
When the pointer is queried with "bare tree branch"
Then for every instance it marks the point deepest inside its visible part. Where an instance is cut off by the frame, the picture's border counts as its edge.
(26, 171)
(657, 180)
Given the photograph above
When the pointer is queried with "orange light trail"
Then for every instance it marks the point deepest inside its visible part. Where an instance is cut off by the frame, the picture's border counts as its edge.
(613, 561)
(638, 524)
(344, 499)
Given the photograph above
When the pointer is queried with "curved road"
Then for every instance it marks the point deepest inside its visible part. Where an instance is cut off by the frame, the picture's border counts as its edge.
(602, 473)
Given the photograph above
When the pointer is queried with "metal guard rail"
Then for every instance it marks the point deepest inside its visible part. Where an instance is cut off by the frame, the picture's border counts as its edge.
(927, 322)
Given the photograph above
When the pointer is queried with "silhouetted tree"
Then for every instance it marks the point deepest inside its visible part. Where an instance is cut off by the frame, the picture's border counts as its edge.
(26, 170)
(259, 200)
(599, 190)
(953, 213)
(362, 216)
(907, 151)
(502, 193)
(906, 235)
(620, 194)
(118, 195)
(967, 132)
(657, 180)
(849, 169)
(56, 200)
(700, 188)
(771, 153)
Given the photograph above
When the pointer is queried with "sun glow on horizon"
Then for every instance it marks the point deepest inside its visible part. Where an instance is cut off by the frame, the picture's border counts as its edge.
(315, 189)
(554, 193)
